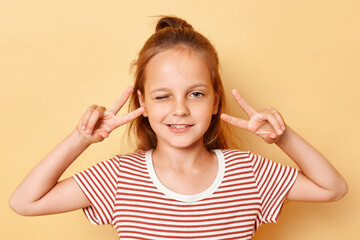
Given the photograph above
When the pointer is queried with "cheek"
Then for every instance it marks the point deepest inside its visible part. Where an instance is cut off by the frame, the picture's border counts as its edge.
(203, 112)
(156, 111)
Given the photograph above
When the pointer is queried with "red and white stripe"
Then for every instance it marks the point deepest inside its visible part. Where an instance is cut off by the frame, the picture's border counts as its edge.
(123, 194)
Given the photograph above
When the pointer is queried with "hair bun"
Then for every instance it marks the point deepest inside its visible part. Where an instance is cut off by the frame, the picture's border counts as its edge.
(173, 22)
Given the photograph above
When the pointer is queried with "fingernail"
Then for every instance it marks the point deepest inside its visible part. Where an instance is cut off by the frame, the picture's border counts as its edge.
(87, 131)
(279, 132)
(83, 127)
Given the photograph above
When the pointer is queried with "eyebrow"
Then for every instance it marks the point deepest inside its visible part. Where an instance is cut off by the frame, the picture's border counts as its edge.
(192, 86)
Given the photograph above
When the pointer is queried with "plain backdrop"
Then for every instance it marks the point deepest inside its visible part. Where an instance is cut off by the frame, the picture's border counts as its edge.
(59, 57)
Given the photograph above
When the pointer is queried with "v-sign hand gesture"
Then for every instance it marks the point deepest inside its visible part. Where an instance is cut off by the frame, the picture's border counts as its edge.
(266, 123)
(98, 122)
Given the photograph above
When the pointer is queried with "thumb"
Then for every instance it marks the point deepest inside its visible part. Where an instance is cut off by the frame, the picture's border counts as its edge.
(271, 137)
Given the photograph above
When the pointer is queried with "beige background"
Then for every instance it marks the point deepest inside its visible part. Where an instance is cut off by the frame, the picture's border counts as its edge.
(58, 57)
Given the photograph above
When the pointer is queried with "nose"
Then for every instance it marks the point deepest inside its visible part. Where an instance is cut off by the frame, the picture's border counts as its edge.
(180, 108)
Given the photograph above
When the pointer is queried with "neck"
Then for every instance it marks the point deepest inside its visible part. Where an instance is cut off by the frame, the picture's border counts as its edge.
(181, 158)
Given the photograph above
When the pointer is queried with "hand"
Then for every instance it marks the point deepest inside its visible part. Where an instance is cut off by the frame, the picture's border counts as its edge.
(267, 123)
(98, 122)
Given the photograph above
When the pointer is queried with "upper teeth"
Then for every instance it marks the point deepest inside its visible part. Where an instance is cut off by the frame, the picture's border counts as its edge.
(178, 126)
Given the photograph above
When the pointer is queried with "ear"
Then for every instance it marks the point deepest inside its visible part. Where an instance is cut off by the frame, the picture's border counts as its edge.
(216, 104)
(142, 102)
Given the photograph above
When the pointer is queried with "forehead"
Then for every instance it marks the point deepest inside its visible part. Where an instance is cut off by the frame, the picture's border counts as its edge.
(176, 67)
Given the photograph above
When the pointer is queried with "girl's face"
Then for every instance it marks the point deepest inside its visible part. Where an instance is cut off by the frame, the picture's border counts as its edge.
(178, 97)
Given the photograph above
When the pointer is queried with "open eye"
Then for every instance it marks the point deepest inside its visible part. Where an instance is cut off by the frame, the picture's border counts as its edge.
(196, 94)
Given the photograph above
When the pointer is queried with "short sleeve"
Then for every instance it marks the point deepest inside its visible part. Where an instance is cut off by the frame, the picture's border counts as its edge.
(99, 184)
(274, 182)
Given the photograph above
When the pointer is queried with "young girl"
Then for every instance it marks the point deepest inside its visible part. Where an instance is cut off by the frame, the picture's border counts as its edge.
(183, 182)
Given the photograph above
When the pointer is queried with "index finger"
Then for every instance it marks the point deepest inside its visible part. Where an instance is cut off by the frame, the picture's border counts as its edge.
(121, 101)
(130, 116)
(243, 103)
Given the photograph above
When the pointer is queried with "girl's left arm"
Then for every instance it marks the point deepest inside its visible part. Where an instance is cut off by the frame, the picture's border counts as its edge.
(318, 180)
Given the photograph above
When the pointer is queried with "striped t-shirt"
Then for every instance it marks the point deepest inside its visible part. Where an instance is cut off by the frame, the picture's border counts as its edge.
(124, 191)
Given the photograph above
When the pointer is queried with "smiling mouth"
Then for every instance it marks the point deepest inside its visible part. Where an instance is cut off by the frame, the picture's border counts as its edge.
(179, 126)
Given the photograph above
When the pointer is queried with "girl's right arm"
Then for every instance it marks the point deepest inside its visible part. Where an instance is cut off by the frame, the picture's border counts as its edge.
(41, 192)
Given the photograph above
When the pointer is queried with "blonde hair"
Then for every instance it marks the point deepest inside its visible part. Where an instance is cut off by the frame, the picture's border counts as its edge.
(173, 32)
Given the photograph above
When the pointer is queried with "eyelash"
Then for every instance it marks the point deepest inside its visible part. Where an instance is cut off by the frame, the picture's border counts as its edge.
(199, 94)
(160, 97)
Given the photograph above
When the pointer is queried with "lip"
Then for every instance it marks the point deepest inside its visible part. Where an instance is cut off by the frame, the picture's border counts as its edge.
(179, 128)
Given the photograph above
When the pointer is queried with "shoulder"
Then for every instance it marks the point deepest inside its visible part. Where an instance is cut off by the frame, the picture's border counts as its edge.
(137, 158)
(132, 160)
(237, 155)
(234, 158)
(138, 155)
